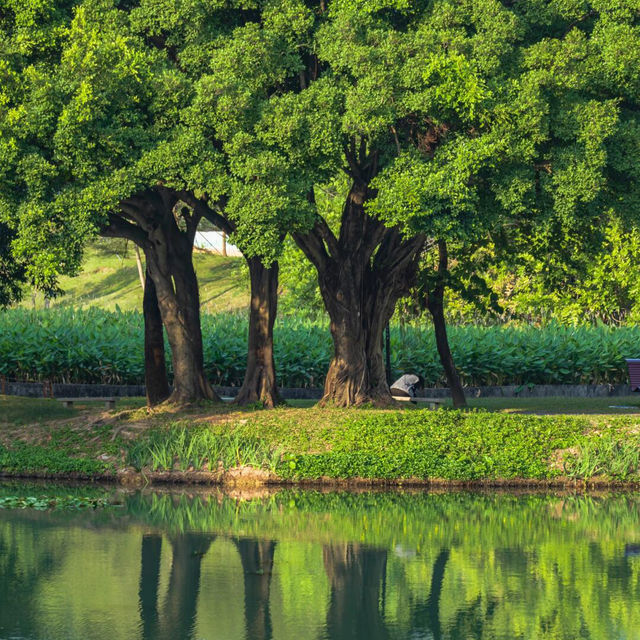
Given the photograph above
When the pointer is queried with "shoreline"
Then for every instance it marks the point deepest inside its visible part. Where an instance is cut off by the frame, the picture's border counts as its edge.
(231, 480)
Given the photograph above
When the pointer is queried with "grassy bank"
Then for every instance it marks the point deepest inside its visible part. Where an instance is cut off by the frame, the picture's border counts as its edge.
(297, 444)
(109, 279)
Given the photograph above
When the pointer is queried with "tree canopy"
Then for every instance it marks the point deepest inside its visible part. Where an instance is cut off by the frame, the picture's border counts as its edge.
(369, 130)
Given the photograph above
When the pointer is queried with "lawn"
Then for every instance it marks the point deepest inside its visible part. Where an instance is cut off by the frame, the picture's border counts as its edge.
(109, 278)
(624, 405)
(301, 442)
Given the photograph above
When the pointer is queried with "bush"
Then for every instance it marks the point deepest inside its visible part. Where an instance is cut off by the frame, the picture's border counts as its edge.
(96, 346)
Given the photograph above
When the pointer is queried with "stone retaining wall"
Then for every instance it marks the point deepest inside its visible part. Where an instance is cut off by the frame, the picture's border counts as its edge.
(39, 390)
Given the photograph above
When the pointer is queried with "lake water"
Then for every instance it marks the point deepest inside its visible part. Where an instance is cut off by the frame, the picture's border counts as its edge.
(308, 565)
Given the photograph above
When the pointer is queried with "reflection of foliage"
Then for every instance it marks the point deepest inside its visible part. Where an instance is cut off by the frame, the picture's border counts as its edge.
(414, 521)
(532, 562)
(448, 566)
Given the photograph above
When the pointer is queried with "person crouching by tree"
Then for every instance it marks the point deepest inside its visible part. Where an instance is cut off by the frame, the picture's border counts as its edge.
(407, 385)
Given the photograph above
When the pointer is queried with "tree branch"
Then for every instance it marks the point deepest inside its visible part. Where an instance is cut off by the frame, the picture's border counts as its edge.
(312, 245)
(118, 227)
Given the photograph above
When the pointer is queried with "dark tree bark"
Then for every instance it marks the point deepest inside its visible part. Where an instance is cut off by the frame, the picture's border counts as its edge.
(155, 367)
(362, 274)
(257, 563)
(159, 223)
(357, 576)
(260, 378)
(435, 304)
(259, 383)
(149, 581)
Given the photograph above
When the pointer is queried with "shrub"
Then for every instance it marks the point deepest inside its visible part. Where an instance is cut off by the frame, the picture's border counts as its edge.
(96, 346)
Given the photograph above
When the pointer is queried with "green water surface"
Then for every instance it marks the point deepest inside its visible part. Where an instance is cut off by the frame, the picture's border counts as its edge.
(307, 565)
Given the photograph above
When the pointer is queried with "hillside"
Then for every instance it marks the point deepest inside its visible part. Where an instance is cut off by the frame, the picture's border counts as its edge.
(109, 277)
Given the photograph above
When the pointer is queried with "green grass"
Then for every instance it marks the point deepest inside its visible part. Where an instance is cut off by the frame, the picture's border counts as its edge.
(300, 442)
(109, 279)
(622, 405)
(18, 411)
(200, 449)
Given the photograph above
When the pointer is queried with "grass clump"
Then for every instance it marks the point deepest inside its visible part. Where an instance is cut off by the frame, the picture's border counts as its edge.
(614, 455)
(199, 448)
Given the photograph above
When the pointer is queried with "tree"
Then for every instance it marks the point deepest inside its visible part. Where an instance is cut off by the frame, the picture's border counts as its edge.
(435, 304)
(155, 367)
(447, 118)
(114, 156)
(12, 272)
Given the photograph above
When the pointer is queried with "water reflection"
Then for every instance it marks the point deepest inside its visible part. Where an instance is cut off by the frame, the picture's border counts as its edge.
(332, 567)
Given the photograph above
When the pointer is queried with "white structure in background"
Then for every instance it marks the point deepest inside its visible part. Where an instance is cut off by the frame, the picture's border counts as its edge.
(215, 241)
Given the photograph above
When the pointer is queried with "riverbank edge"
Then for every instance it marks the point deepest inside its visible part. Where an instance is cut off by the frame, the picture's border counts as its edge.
(237, 479)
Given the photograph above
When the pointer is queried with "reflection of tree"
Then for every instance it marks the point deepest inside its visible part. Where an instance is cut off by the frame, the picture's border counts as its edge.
(469, 620)
(257, 564)
(426, 613)
(357, 576)
(149, 578)
(27, 556)
(178, 617)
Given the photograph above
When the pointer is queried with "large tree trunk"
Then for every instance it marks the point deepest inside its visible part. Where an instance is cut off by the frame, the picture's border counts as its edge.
(155, 368)
(361, 274)
(260, 378)
(158, 221)
(179, 302)
(170, 261)
(435, 304)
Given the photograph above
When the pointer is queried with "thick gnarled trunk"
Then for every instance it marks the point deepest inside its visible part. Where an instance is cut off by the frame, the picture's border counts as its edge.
(435, 304)
(155, 368)
(260, 377)
(158, 222)
(179, 302)
(357, 373)
(361, 275)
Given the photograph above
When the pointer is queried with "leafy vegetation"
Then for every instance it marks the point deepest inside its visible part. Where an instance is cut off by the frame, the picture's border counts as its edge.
(450, 445)
(92, 345)
(199, 449)
(307, 443)
(25, 458)
(45, 502)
